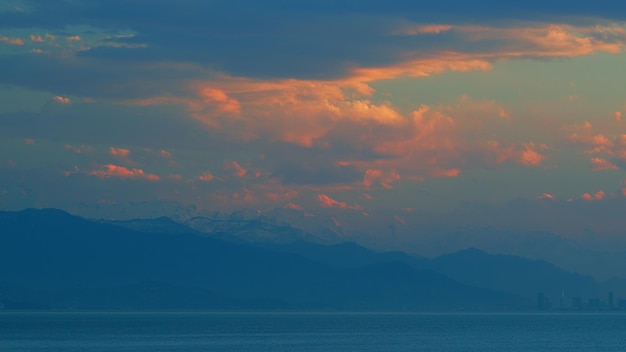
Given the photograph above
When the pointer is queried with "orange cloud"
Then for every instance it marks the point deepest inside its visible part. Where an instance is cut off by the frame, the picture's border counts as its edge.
(446, 173)
(596, 196)
(74, 38)
(293, 206)
(220, 100)
(599, 195)
(552, 40)
(424, 29)
(165, 154)
(599, 164)
(62, 100)
(79, 149)
(529, 155)
(547, 196)
(524, 153)
(12, 41)
(206, 177)
(281, 197)
(375, 176)
(119, 152)
(603, 137)
(236, 169)
(29, 141)
(400, 219)
(36, 38)
(111, 170)
(327, 202)
(432, 141)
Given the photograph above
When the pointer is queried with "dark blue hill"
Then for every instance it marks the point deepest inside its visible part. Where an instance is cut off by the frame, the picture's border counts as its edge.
(63, 261)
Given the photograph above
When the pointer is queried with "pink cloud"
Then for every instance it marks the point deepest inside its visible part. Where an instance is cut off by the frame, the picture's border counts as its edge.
(327, 202)
(119, 152)
(12, 41)
(165, 153)
(524, 153)
(529, 155)
(599, 164)
(111, 170)
(547, 196)
(384, 179)
(236, 169)
(446, 173)
(281, 197)
(79, 149)
(29, 141)
(596, 196)
(400, 219)
(73, 38)
(606, 137)
(220, 100)
(424, 29)
(206, 177)
(62, 100)
(293, 206)
(431, 141)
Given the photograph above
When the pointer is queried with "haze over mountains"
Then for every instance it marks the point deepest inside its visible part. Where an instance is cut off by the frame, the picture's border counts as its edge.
(50, 259)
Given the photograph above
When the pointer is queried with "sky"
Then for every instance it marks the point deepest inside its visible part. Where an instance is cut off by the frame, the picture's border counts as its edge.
(381, 117)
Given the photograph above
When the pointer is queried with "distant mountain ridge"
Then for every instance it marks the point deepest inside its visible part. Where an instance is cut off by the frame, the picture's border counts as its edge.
(49, 258)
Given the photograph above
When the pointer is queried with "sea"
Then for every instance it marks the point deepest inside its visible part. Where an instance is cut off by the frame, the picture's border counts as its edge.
(280, 331)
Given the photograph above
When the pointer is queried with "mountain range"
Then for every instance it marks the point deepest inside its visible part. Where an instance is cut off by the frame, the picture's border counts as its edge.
(50, 259)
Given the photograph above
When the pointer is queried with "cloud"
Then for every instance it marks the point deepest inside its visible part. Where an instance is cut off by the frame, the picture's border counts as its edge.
(547, 196)
(80, 149)
(62, 100)
(327, 202)
(606, 137)
(119, 152)
(12, 41)
(374, 176)
(206, 177)
(596, 196)
(111, 170)
(236, 169)
(599, 164)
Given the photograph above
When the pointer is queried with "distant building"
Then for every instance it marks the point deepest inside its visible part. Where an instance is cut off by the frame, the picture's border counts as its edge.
(594, 304)
(577, 303)
(543, 302)
(610, 302)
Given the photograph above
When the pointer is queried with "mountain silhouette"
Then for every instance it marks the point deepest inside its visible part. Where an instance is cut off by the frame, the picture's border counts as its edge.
(53, 259)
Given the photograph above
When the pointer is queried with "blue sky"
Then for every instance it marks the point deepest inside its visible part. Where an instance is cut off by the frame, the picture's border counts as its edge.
(372, 114)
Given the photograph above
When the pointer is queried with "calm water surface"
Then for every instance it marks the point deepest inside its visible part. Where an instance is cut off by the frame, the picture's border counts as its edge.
(310, 332)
